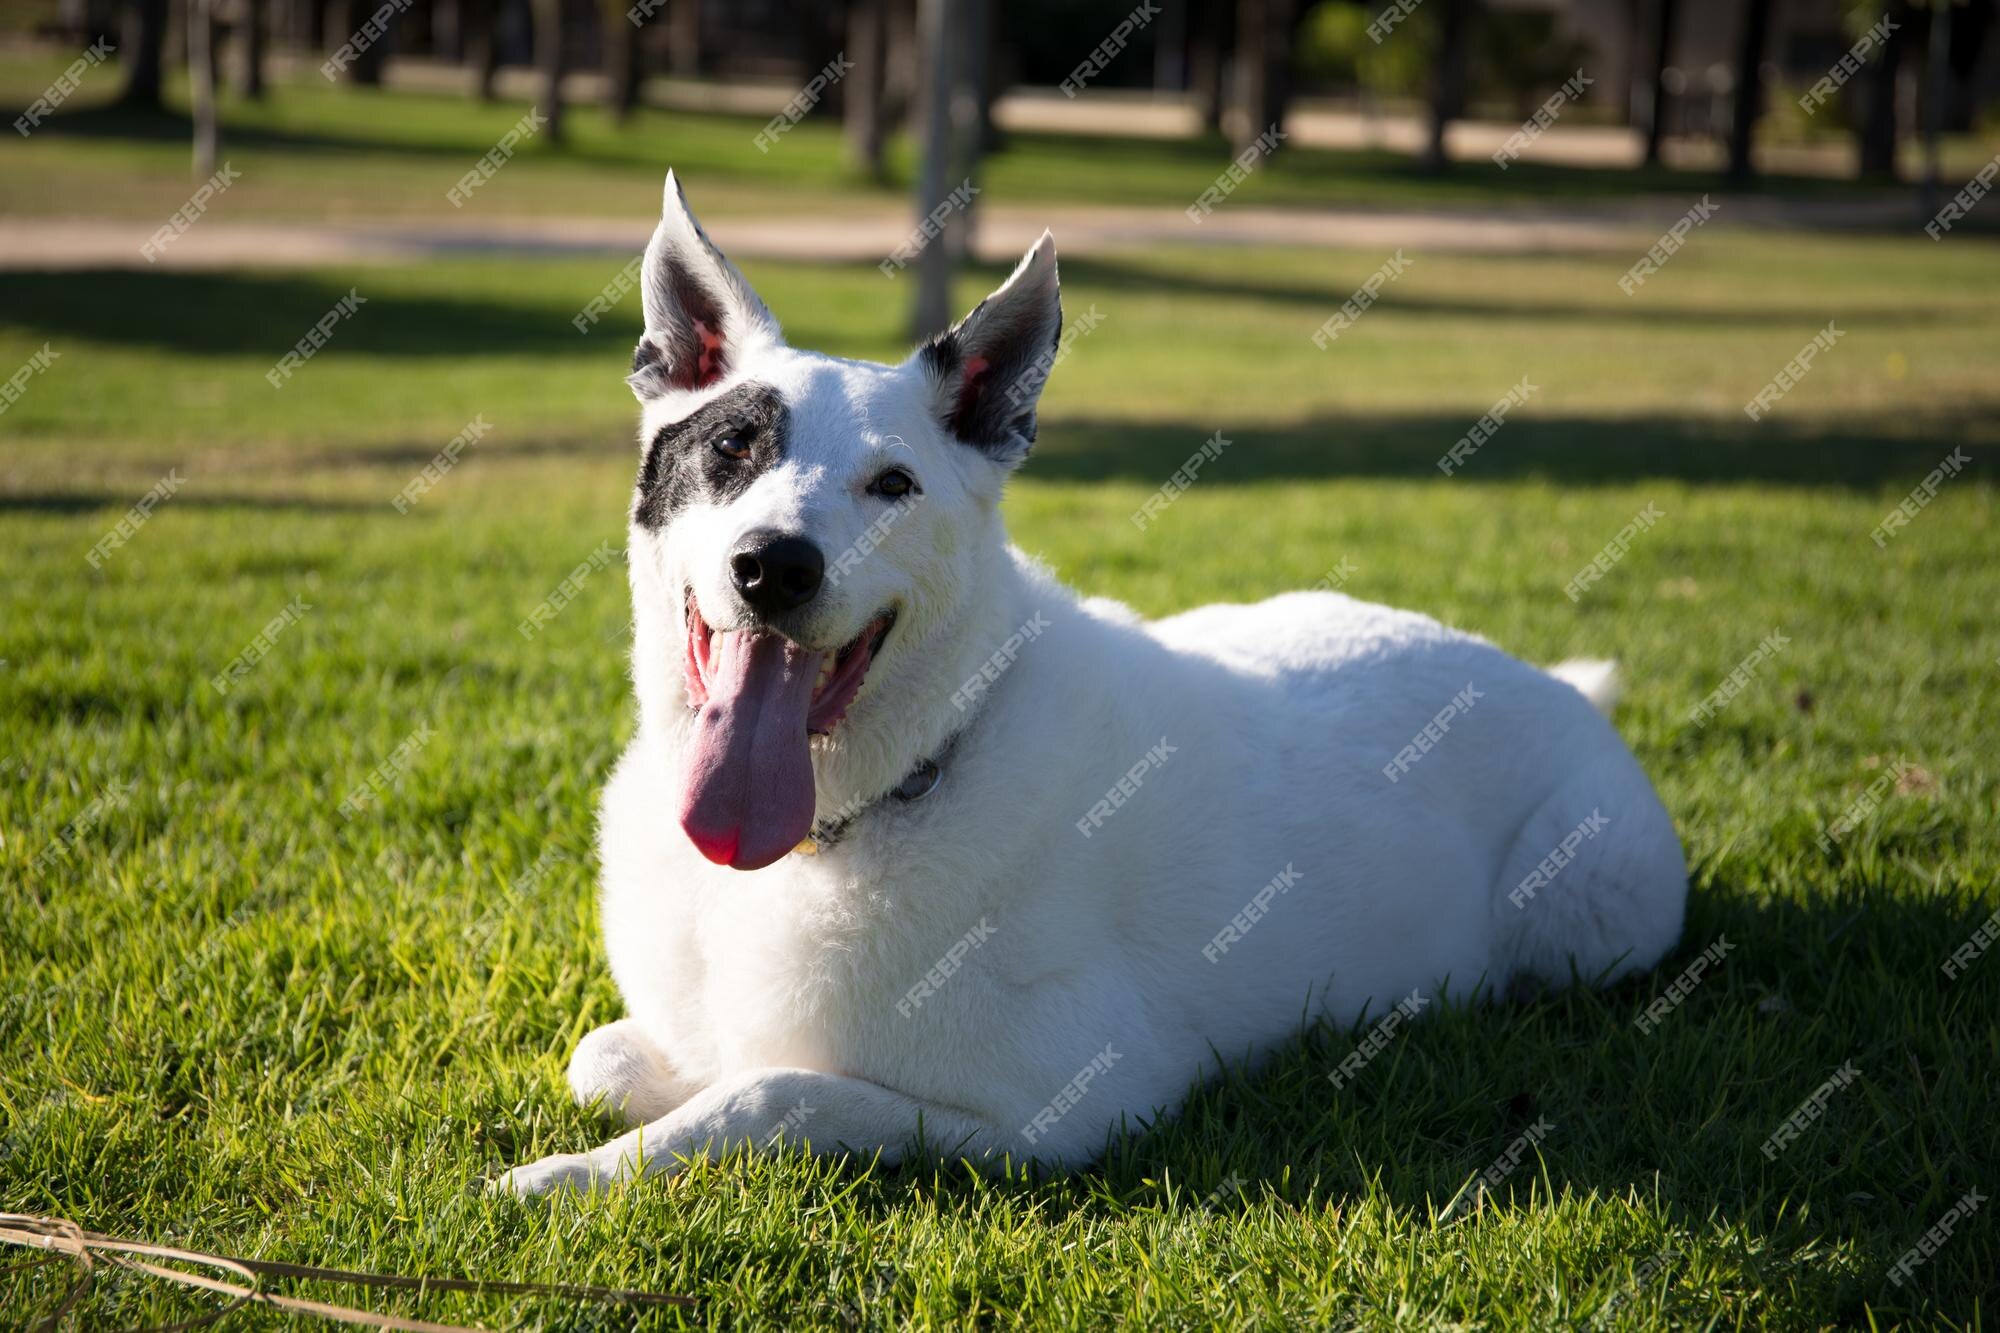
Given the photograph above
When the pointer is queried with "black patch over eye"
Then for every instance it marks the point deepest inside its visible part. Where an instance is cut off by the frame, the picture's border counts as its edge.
(715, 453)
(895, 483)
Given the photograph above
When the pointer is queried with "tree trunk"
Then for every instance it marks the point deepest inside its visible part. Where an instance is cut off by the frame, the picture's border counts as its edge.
(448, 30)
(549, 59)
(1653, 107)
(366, 70)
(1252, 20)
(201, 87)
(903, 74)
(250, 51)
(1969, 29)
(624, 59)
(947, 142)
(482, 45)
(868, 48)
(1937, 94)
(1263, 62)
(104, 20)
(822, 36)
(1875, 121)
(1749, 101)
(972, 23)
(684, 51)
(1170, 48)
(143, 40)
(1208, 61)
(987, 54)
(173, 48)
(1448, 77)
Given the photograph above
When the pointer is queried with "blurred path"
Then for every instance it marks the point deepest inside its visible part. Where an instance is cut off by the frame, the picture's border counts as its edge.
(1004, 232)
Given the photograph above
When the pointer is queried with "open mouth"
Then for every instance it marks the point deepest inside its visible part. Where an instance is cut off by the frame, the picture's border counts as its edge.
(839, 674)
(759, 699)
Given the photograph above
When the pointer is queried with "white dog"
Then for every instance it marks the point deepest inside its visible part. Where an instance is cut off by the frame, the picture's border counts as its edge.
(916, 846)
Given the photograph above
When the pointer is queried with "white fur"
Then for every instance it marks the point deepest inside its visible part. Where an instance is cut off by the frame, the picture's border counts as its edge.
(1594, 678)
(765, 1005)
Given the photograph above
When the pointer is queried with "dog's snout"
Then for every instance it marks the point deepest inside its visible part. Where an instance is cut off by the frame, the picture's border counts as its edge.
(776, 572)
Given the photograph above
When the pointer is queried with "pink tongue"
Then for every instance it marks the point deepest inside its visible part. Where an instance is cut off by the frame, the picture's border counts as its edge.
(749, 796)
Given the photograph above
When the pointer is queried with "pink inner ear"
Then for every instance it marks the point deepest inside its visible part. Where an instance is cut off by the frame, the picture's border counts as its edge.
(709, 365)
(975, 369)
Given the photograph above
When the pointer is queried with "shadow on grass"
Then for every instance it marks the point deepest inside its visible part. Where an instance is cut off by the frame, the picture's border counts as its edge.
(1858, 454)
(87, 502)
(1096, 275)
(1865, 456)
(267, 312)
(1674, 1119)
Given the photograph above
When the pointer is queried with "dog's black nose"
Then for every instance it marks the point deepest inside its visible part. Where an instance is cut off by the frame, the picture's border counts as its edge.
(776, 573)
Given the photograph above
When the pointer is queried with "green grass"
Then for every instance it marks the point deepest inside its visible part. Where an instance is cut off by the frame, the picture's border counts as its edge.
(314, 152)
(234, 1018)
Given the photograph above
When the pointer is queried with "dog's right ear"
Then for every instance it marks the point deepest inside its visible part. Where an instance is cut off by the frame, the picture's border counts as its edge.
(702, 316)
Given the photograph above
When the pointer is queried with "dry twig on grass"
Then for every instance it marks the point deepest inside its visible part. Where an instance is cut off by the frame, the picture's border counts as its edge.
(88, 1249)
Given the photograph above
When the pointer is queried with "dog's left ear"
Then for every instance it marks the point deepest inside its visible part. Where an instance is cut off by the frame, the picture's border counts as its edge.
(988, 371)
(701, 314)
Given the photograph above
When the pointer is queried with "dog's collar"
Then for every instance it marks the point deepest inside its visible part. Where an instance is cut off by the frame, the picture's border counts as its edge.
(921, 782)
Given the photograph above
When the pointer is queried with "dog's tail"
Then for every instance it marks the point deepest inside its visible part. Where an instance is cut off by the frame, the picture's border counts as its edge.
(1595, 678)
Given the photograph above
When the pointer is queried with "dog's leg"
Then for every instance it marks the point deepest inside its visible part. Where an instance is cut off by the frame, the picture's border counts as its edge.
(825, 1112)
(621, 1064)
(1595, 882)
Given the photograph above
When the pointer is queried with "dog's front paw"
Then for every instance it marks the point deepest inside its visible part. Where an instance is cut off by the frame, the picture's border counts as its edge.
(576, 1172)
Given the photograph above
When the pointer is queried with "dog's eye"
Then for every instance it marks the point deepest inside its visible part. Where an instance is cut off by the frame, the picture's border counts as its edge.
(734, 448)
(895, 483)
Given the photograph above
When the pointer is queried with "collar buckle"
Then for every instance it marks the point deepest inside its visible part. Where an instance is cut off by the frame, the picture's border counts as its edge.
(922, 781)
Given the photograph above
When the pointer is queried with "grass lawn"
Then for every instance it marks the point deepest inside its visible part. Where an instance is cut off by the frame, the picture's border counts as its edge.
(230, 1016)
(313, 152)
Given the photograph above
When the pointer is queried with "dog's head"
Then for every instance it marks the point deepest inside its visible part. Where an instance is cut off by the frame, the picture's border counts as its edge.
(807, 531)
